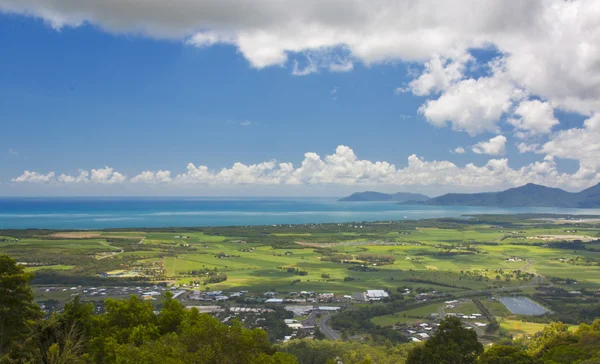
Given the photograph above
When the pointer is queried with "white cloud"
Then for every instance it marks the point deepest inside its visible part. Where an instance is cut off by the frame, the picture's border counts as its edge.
(342, 66)
(459, 150)
(159, 176)
(494, 146)
(306, 70)
(104, 175)
(551, 46)
(593, 123)
(581, 144)
(246, 123)
(533, 117)
(13, 152)
(344, 168)
(207, 39)
(524, 147)
(439, 74)
(82, 177)
(473, 105)
(34, 177)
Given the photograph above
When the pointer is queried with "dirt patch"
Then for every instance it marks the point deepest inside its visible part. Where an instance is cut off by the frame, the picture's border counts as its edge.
(346, 243)
(90, 235)
(76, 235)
(563, 237)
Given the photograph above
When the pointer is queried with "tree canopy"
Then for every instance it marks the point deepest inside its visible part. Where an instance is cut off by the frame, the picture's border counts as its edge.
(17, 309)
(452, 344)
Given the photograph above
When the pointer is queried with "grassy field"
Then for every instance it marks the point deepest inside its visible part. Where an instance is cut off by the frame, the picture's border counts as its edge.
(409, 316)
(52, 267)
(435, 255)
(518, 328)
(464, 258)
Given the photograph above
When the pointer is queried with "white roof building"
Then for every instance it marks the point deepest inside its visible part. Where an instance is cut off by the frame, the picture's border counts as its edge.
(376, 294)
(329, 308)
(274, 300)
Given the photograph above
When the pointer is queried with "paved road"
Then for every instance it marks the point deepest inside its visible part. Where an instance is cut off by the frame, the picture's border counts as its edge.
(325, 327)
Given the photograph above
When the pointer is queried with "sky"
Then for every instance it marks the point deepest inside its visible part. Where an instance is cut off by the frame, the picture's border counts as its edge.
(311, 98)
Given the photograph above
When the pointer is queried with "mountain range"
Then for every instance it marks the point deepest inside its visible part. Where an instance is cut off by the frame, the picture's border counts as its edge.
(378, 196)
(529, 195)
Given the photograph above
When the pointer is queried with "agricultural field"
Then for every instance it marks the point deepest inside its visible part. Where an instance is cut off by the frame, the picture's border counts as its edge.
(421, 263)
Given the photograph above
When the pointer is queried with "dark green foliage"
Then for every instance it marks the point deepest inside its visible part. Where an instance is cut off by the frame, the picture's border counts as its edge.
(556, 344)
(451, 344)
(17, 310)
(501, 354)
(349, 352)
(131, 332)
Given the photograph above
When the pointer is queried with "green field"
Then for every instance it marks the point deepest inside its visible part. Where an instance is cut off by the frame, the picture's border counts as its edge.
(445, 255)
(446, 258)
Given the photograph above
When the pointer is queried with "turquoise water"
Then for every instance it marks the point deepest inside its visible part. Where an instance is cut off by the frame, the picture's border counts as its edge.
(113, 212)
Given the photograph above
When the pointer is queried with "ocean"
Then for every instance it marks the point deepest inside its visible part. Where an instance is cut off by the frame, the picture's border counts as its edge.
(132, 212)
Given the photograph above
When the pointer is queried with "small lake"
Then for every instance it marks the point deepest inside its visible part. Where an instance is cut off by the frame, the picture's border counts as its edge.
(523, 306)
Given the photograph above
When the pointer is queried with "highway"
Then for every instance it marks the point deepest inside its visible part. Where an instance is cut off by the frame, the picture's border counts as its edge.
(325, 327)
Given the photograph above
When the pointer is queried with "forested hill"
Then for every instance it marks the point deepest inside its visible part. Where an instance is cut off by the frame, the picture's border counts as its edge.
(529, 195)
(378, 196)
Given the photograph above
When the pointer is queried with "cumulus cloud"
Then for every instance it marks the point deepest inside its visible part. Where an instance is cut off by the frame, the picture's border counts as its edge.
(159, 176)
(474, 105)
(547, 49)
(550, 46)
(459, 150)
(494, 146)
(82, 177)
(344, 168)
(104, 175)
(533, 117)
(439, 74)
(34, 177)
(581, 144)
(524, 147)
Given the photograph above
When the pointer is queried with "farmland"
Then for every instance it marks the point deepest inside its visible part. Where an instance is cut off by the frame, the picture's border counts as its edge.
(422, 263)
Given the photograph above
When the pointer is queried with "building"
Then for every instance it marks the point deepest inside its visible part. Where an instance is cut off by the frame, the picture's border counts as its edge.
(328, 308)
(376, 294)
(274, 300)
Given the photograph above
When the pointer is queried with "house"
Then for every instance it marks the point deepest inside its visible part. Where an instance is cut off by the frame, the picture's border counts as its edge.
(325, 296)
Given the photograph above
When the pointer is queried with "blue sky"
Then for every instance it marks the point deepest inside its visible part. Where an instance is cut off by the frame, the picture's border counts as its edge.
(88, 97)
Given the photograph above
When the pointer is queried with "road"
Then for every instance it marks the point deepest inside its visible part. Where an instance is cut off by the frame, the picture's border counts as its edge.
(325, 327)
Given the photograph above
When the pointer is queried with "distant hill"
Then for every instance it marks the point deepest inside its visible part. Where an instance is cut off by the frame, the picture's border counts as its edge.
(529, 195)
(590, 198)
(378, 196)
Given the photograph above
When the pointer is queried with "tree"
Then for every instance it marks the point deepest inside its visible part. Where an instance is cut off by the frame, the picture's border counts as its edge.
(451, 344)
(502, 354)
(171, 315)
(17, 309)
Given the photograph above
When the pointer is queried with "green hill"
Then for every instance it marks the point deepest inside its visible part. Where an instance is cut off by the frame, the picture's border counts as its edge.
(529, 195)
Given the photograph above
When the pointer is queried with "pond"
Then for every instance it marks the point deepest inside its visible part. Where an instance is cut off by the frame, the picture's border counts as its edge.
(523, 306)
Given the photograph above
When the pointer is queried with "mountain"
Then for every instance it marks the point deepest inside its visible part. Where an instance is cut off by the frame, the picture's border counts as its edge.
(529, 195)
(590, 197)
(378, 196)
